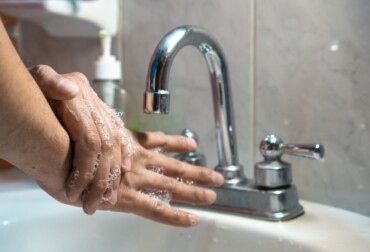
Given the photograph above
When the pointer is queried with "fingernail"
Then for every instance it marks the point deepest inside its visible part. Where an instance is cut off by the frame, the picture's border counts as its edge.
(90, 208)
(194, 220)
(191, 143)
(126, 165)
(114, 197)
(211, 196)
(218, 178)
(72, 193)
(65, 86)
(87, 209)
(108, 193)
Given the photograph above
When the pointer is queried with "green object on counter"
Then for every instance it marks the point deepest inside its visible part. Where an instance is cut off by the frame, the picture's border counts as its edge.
(133, 127)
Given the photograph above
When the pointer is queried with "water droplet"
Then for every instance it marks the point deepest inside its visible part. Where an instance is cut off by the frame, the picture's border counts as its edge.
(362, 126)
(223, 227)
(361, 187)
(334, 46)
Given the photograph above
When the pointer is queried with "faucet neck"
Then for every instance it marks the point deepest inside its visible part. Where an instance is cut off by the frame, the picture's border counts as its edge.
(157, 95)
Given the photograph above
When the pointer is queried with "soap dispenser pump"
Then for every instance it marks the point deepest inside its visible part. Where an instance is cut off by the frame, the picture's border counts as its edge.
(108, 76)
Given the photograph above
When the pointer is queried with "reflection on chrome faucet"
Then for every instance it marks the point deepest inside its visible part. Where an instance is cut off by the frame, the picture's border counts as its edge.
(157, 97)
(238, 194)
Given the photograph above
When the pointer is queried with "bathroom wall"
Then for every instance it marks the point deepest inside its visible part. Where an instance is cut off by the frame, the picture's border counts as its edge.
(310, 84)
(313, 85)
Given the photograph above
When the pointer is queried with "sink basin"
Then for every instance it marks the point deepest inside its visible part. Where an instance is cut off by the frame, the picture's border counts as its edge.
(31, 221)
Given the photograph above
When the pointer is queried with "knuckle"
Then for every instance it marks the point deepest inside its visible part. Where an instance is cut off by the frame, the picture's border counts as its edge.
(86, 176)
(108, 205)
(158, 208)
(149, 155)
(101, 184)
(191, 144)
(40, 70)
(172, 184)
(181, 168)
(117, 139)
(92, 143)
(80, 76)
(160, 133)
(183, 141)
(161, 138)
(106, 145)
(129, 180)
(199, 194)
(207, 175)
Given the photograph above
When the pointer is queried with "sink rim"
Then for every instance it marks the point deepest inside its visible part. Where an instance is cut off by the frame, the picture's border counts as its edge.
(318, 228)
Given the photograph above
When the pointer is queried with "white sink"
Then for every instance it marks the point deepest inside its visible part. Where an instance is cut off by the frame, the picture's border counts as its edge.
(32, 221)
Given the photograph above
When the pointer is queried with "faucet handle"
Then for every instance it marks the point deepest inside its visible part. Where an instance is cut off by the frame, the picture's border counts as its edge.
(193, 157)
(190, 134)
(313, 151)
(272, 147)
(273, 172)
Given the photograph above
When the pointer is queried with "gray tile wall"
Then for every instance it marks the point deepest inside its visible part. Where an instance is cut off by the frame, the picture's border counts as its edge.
(312, 61)
(313, 84)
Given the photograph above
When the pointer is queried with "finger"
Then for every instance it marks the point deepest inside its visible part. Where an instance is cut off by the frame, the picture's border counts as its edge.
(180, 191)
(170, 143)
(144, 206)
(126, 162)
(94, 194)
(111, 148)
(87, 150)
(52, 84)
(177, 169)
(110, 195)
(83, 172)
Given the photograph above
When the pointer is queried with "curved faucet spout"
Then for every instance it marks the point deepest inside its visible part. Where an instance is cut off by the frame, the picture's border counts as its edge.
(157, 97)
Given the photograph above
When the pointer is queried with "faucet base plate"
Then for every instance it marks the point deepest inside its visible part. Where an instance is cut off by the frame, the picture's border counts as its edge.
(273, 205)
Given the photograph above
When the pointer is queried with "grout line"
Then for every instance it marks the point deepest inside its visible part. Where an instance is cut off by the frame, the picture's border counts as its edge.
(120, 38)
(252, 86)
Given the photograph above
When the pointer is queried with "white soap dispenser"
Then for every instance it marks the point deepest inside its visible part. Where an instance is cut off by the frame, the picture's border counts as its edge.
(108, 76)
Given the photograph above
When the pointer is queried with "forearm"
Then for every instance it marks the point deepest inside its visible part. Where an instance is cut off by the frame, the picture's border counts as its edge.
(31, 137)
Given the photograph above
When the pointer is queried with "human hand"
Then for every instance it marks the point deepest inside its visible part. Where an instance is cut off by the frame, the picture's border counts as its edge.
(154, 175)
(148, 174)
(95, 132)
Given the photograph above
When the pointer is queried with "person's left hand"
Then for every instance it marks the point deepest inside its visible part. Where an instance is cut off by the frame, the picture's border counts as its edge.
(96, 133)
(154, 176)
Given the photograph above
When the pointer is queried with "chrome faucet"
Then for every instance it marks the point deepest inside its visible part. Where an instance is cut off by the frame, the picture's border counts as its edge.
(157, 97)
(270, 195)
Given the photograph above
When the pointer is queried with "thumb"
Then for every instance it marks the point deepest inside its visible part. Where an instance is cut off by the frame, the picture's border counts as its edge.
(52, 84)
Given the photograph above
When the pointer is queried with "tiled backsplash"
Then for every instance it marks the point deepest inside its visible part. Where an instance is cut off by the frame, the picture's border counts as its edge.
(312, 73)
(313, 85)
